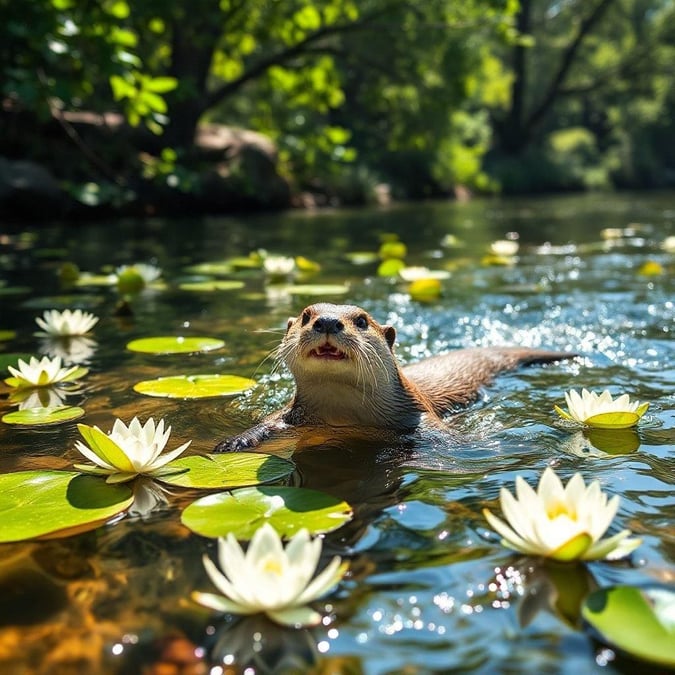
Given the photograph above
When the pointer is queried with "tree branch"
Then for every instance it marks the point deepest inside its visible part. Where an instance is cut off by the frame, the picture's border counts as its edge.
(284, 55)
(566, 63)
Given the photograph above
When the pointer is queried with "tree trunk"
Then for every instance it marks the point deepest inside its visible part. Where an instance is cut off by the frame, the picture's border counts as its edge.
(511, 131)
(193, 43)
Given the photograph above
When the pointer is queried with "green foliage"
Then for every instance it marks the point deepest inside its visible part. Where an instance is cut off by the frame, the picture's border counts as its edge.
(599, 68)
(566, 95)
(142, 96)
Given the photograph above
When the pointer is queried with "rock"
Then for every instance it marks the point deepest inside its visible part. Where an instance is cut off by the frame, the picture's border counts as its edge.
(28, 190)
(246, 174)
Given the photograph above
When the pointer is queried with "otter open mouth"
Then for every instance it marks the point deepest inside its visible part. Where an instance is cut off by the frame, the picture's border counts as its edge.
(327, 352)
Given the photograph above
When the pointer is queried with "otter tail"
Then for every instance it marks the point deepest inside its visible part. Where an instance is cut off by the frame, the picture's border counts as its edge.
(455, 378)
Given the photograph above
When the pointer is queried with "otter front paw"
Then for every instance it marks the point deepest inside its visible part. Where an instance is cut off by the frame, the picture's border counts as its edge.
(235, 444)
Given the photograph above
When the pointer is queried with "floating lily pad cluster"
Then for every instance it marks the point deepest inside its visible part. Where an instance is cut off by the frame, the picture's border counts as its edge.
(567, 524)
(127, 469)
(424, 284)
(281, 274)
(190, 385)
(123, 465)
(57, 503)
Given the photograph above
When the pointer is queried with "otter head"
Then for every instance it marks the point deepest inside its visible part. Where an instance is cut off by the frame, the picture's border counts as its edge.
(339, 356)
(334, 338)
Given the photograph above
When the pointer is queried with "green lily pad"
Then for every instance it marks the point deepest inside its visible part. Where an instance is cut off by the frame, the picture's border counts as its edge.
(14, 290)
(42, 416)
(174, 345)
(7, 335)
(215, 268)
(390, 267)
(96, 280)
(228, 470)
(317, 289)
(287, 509)
(639, 621)
(252, 261)
(194, 386)
(63, 302)
(212, 285)
(37, 503)
(613, 420)
(362, 257)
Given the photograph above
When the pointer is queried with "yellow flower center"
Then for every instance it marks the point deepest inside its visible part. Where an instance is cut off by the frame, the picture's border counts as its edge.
(272, 566)
(560, 509)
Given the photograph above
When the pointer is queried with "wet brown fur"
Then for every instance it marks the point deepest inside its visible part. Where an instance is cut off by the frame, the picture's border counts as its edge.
(363, 386)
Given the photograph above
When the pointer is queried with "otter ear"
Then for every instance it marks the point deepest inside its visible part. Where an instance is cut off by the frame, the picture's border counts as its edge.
(389, 335)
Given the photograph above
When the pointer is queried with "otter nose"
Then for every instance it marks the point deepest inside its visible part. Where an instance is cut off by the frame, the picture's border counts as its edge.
(327, 324)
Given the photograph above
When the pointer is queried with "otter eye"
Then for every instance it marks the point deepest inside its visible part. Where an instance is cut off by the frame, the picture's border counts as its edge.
(305, 319)
(361, 322)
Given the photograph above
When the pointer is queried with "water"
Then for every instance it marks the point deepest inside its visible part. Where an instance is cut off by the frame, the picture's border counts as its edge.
(430, 589)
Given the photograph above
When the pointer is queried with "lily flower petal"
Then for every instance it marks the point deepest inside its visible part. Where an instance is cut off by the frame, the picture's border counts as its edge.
(220, 603)
(295, 617)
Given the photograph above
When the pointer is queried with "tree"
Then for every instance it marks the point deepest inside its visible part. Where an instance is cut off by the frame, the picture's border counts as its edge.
(552, 36)
(587, 81)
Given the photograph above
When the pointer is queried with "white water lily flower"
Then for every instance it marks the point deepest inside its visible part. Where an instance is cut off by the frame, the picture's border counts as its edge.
(147, 272)
(593, 410)
(562, 523)
(278, 265)
(42, 372)
(67, 322)
(668, 244)
(504, 247)
(127, 452)
(270, 579)
(417, 273)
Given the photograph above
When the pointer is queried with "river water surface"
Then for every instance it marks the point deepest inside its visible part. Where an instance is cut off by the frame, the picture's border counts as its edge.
(430, 588)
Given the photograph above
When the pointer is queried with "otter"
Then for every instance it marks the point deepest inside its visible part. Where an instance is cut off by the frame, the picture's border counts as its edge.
(347, 377)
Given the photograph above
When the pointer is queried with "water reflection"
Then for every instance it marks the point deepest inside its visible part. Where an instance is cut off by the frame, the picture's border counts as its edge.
(559, 589)
(149, 497)
(255, 642)
(38, 397)
(601, 442)
(78, 350)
